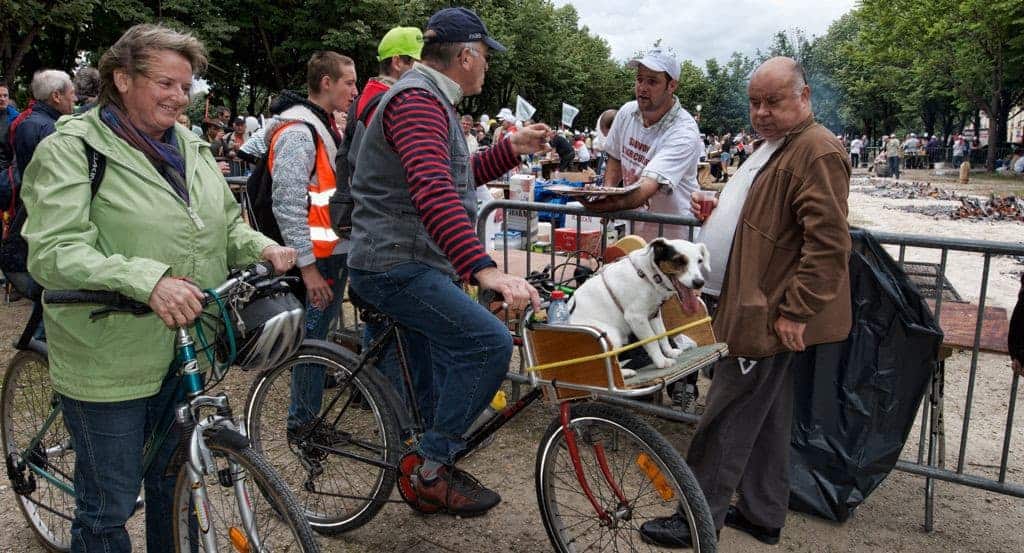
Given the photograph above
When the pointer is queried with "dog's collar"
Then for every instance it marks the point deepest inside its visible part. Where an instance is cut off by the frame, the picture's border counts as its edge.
(656, 277)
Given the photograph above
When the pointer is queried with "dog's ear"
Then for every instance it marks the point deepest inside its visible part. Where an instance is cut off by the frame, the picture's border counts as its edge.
(705, 257)
(662, 250)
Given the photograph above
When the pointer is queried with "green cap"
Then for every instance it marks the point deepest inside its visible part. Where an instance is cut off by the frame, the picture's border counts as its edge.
(401, 41)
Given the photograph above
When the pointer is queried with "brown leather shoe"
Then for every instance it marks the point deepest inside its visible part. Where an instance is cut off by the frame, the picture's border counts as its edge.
(456, 492)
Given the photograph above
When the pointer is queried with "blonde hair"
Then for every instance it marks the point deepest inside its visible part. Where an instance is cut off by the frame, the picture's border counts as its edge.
(134, 53)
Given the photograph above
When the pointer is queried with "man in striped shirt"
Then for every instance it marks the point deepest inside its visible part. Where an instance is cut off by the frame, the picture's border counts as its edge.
(414, 240)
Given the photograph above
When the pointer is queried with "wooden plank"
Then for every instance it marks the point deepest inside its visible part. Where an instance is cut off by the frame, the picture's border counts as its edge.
(958, 321)
(551, 345)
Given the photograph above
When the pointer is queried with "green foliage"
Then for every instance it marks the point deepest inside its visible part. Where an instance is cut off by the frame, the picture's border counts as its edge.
(887, 66)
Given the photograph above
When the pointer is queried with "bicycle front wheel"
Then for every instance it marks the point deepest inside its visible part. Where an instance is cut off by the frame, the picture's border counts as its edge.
(343, 470)
(247, 508)
(633, 473)
(41, 475)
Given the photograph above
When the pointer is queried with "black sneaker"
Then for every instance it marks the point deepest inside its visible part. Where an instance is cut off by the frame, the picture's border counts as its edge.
(672, 531)
(455, 491)
(735, 519)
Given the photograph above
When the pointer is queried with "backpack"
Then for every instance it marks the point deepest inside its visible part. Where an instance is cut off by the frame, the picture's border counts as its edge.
(342, 203)
(259, 193)
(13, 248)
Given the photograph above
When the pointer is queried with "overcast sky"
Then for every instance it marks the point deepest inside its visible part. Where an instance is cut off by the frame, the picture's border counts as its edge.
(702, 29)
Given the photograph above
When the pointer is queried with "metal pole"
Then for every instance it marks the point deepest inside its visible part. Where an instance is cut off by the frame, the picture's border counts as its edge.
(1009, 428)
(974, 364)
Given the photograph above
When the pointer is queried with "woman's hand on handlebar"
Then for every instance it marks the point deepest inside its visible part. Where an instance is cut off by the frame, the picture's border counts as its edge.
(517, 292)
(281, 257)
(176, 301)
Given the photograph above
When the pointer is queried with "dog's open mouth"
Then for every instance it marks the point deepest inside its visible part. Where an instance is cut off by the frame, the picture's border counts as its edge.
(687, 297)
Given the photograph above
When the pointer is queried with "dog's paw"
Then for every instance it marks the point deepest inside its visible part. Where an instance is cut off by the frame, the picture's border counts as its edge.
(627, 373)
(663, 363)
(685, 342)
(672, 353)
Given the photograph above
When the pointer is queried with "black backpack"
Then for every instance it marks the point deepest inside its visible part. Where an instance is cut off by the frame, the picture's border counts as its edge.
(13, 248)
(259, 193)
(341, 203)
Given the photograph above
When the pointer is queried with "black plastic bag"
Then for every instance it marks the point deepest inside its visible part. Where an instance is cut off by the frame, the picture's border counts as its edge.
(855, 401)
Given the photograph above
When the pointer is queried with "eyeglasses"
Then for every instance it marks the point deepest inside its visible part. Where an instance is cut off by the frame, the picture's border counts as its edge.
(478, 53)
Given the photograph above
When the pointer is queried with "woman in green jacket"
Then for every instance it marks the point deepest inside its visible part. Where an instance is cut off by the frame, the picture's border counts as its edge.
(162, 225)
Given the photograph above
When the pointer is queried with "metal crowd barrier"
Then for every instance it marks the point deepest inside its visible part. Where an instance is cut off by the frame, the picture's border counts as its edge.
(927, 463)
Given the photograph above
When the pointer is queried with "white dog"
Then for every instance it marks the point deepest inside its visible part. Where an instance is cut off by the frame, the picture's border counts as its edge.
(625, 296)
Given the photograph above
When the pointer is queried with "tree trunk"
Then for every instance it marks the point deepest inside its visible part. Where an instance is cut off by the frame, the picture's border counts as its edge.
(275, 69)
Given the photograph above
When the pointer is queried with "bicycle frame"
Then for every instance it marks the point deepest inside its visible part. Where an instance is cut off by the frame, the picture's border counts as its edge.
(198, 461)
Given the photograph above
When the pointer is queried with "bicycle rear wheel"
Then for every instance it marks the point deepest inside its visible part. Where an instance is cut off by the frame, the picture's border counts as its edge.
(241, 477)
(43, 477)
(342, 484)
(617, 449)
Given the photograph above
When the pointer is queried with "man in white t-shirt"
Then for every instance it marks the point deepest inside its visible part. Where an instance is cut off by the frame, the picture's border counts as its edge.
(855, 147)
(655, 143)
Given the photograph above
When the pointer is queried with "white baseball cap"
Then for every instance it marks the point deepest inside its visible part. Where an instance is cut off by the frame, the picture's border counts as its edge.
(505, 115)
(657, 59)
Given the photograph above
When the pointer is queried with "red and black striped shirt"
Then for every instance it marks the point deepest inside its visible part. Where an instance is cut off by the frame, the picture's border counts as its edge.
(416, 127)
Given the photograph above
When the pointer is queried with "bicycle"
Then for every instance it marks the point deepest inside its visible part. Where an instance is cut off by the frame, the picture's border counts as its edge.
(215, 464)
(600, 470)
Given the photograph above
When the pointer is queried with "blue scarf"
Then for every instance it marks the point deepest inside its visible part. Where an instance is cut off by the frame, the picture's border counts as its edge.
(163, 154)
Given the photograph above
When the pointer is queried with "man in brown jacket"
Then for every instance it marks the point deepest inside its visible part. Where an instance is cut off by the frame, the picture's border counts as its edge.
(786, 289)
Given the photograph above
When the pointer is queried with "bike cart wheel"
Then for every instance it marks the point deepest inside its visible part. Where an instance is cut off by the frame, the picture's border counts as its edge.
(632, 473)
(42, 478)
(242, 481)
(341, 485)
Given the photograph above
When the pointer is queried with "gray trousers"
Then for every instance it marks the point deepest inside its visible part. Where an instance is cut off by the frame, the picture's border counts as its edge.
(742, 440)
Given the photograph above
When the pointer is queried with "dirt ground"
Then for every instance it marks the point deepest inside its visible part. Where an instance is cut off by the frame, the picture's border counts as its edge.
(966, 519)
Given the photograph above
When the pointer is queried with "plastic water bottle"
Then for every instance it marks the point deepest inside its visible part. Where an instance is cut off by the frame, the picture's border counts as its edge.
(496, 406)
(558, 311)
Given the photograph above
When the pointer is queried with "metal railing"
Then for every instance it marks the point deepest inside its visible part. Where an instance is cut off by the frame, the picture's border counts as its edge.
(931, 463)
(927, 463)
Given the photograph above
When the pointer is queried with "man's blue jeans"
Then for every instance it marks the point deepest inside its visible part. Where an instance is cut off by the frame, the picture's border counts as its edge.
(308, 380)
(894, 167)
(108, 439)
(468, 349)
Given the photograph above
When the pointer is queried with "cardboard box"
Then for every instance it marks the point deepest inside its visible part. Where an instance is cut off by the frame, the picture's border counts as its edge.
(589, 241)
(526, 222)
(583, 176)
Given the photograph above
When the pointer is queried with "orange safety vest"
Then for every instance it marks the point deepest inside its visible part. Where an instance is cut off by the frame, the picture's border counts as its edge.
(320, 191)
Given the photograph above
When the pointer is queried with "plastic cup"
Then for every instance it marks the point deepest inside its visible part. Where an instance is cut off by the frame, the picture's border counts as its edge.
(706, 199)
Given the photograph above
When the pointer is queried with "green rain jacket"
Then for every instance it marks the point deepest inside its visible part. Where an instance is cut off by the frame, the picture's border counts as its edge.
(135, 231)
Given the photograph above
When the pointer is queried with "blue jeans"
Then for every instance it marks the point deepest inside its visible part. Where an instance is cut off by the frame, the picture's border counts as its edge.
(108, 439)
(469, 348)
(894, 167)
(308, 380)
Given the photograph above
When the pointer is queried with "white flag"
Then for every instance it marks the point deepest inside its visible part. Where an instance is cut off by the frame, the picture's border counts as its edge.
(569, 114)
(524, 110)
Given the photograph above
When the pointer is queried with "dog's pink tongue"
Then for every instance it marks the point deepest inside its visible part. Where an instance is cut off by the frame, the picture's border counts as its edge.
(687, 298)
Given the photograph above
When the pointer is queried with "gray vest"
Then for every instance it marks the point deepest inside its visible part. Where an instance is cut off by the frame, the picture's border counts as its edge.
(386, 229)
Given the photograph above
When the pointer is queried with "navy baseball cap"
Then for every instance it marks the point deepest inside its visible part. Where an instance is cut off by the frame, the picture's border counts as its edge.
(460, 25)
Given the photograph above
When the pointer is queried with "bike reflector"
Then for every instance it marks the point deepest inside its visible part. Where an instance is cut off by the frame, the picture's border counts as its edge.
(653, 473)
(239, 540)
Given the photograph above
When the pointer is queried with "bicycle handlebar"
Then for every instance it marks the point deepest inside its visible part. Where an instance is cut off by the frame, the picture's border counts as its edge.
(117, 302)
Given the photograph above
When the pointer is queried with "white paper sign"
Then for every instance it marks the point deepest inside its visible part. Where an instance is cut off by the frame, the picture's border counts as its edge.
(524, 110)
(569, 114)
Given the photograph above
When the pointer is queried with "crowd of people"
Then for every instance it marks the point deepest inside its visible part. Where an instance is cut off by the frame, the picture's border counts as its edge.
(377, 190)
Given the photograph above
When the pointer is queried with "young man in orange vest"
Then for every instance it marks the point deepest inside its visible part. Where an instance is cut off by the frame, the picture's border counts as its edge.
(303, 142)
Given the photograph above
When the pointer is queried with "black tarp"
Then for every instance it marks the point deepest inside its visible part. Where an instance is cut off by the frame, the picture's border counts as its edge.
(856, 401)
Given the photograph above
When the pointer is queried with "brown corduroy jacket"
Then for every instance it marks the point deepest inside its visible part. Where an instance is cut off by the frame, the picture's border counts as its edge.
(791, 249)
